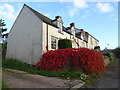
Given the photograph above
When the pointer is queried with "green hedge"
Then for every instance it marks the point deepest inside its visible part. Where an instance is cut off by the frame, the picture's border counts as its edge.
(64, 43)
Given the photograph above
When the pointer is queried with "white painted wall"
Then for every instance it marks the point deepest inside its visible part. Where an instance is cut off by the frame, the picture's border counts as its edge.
(25, 38)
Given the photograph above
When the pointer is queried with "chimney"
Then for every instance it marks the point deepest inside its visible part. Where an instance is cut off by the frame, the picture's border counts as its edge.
(82, 30)
(58, 17)
(72, 24)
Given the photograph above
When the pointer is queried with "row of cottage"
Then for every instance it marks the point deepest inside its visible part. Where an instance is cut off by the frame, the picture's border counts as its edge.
(32, 32)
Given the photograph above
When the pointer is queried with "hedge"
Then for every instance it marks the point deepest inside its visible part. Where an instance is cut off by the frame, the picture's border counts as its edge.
(84, 59)
(64, 43)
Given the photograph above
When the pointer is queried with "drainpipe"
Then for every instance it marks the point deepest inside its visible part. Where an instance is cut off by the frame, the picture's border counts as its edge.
(47, 38)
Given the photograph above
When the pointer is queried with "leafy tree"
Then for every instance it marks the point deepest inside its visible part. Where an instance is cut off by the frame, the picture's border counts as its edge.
(3, 35)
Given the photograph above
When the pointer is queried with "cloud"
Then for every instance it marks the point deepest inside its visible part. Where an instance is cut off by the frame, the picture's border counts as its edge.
(77, 5)
(104, 7)
(80, 4)
(7, 11)
(73, 11)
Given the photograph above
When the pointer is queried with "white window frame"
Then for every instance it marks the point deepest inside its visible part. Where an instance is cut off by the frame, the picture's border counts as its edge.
(59, 24)
(56, 43)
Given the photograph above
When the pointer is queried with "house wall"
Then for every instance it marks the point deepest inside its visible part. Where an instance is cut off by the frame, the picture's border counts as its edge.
(29, 37)
(25, 38)
(53, 31)
(93, 43)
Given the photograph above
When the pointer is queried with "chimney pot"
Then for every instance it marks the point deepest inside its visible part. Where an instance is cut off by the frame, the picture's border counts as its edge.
(72, 24)
(58, 17)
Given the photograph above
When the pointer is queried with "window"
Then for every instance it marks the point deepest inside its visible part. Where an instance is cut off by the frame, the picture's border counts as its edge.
(53, 43)
(60, 26)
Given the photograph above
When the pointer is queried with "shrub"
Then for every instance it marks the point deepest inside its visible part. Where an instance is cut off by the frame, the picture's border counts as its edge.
(64, 43)
(84, 59)
(117, 52)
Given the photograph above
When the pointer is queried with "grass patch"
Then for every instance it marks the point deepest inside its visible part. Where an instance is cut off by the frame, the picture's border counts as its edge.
(15, 64)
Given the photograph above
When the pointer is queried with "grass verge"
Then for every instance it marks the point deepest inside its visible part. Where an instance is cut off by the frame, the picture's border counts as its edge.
(18, 65)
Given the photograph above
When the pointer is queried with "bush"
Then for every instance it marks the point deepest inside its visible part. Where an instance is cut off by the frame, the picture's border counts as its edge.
(117, 53)
(64, 43)
(84, 59)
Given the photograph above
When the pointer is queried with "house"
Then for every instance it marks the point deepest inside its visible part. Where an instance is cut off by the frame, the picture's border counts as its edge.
(32, 32)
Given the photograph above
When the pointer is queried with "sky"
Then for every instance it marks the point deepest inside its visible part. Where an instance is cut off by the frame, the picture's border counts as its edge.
(100, 19)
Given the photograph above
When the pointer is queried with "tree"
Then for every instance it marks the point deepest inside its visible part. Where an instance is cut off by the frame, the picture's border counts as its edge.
(3, 35)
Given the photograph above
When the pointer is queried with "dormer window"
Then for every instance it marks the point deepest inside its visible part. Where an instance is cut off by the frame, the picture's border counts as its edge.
(72, 26)
(73, 32)
(82, 37)
(82, 34)
(59, 23)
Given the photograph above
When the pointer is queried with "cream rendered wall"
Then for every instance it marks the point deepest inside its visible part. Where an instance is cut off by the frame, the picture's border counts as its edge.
(25, 38)
(53, 31)
(94, 42)
(44, 37)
